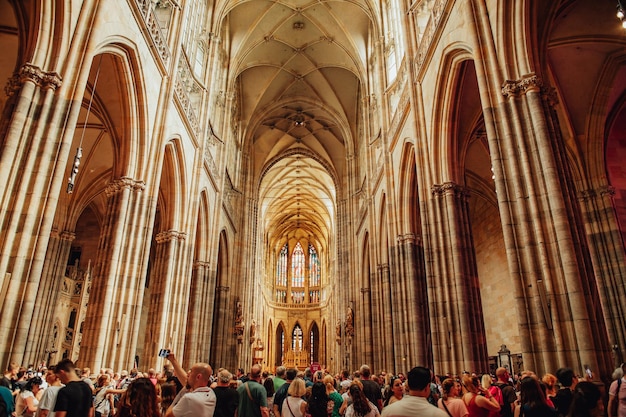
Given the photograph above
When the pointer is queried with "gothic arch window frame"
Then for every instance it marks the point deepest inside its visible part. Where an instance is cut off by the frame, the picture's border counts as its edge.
(281, 266)
(314, 267)
(297, 336)
(280, 338)
(298, 266)
(314, 342)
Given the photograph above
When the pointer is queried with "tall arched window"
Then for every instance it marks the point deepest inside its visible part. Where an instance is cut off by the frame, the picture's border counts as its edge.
(314, 340)
(394, 42)
(280, 345)
(72, 321)
(296, 339)
(314, 267)
(297, 267)
(193, 27)
(281, 267)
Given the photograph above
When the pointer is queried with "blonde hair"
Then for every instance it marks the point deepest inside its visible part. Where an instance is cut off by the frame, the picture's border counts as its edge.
(329, 382)
(486, 381)
(297, 388)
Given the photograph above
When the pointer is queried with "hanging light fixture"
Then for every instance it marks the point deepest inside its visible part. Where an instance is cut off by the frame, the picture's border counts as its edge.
(621, 13)
(79, 151)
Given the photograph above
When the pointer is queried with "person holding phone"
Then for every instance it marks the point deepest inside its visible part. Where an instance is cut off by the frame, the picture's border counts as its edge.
(198, 399)
(478, 400)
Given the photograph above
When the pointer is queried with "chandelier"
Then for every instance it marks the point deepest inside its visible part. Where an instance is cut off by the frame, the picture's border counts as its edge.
(621, 14)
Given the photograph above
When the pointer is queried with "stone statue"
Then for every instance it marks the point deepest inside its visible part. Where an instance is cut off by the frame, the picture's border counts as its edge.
(252, 332)
(238, 330)
(349, 323)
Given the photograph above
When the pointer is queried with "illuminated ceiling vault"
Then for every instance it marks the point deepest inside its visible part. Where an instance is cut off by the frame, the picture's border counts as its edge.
(300, 68)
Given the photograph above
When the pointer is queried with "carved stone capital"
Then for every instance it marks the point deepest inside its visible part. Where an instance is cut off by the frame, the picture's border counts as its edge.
(169, 235)
(30, 72)
(406, 238)
(68, 236)
(450, 188)
(122, 183)
(550, 96)
(590, 194)
(586, 194)
(201, 264)
(515, 88)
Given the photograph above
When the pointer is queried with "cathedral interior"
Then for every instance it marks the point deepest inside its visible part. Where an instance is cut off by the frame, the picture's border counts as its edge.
(289, 182)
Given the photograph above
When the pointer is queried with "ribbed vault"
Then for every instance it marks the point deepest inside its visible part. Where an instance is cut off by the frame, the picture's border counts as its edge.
(299, 69)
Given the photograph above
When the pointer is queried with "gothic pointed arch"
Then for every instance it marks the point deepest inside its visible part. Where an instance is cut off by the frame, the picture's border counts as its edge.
(381, 289)
(408, 198)
(297, 338)
(270, 342)
(412, 286)
(280, 338)
(314, 342)
(173, 185)
(458, 107)
(364, 308)
(100, 135)
(325, 350)
(13, 40)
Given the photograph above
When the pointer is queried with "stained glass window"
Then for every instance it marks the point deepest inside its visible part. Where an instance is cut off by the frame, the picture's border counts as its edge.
(281, 267)
(314, 267)
(297, 267)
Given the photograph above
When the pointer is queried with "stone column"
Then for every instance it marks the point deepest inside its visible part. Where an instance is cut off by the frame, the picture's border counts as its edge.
(112, 322)
(607, 255)
(560, 318)
(59, 247)
(384, 316)
(29, 145)
(364, 343)
(168, 296)
(454, 297)
(223, 329)
(374, 318)
(200, 322)
(410, 306)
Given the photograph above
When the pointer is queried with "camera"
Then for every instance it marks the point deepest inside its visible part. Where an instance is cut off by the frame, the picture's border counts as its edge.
(163, 353)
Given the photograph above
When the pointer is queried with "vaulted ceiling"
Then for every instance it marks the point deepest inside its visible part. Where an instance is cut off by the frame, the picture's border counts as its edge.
(300, 71)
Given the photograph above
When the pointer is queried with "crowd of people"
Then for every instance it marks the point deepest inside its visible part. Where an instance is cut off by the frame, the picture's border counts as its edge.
(64, 391)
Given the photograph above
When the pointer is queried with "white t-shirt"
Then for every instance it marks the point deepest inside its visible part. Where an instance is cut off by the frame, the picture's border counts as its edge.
(200, 402)
(21, 404)
(48, 399)
(101, 403)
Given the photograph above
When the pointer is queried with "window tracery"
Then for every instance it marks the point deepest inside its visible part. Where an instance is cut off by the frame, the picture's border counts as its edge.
(297, 277)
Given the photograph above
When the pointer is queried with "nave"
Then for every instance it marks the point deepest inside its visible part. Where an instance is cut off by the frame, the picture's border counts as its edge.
(428, 182)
